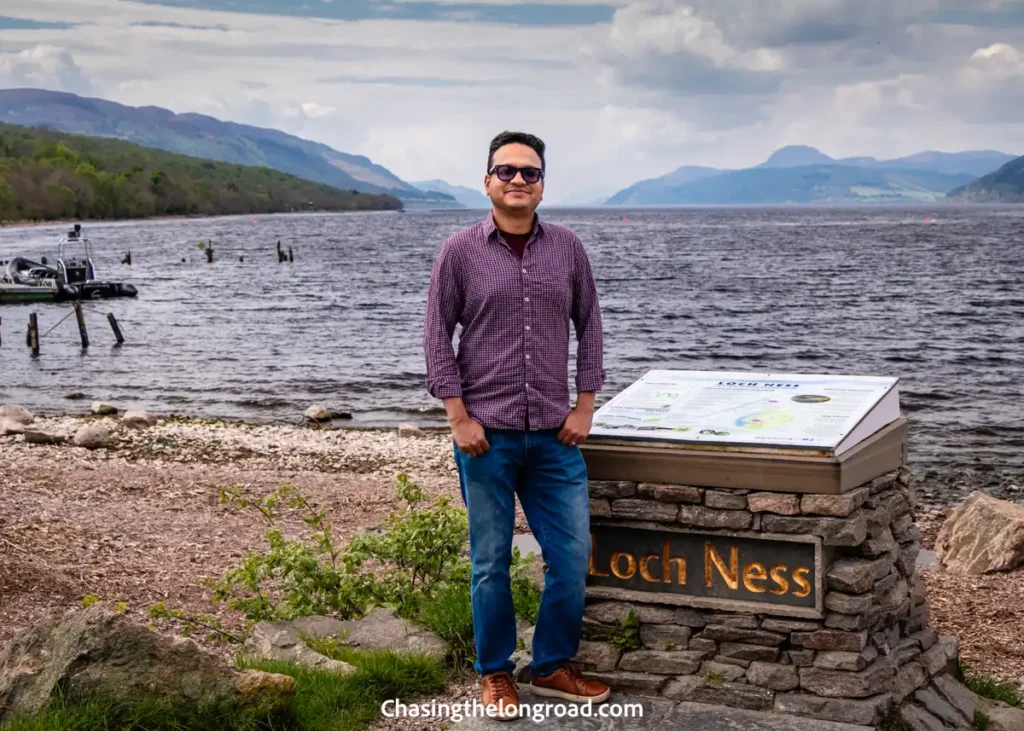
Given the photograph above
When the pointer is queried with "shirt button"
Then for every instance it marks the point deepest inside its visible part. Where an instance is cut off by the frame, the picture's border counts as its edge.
(527, 356)
(526, 299)
(527, 385)
(524, 271)
(527, 327)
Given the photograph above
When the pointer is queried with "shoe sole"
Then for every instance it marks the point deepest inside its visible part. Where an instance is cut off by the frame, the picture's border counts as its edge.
(552, 693)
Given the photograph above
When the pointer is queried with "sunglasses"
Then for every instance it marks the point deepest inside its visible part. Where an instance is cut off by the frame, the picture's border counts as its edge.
(507, 173)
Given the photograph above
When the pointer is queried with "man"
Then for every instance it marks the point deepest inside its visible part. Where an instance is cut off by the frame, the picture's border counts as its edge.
(514, 284)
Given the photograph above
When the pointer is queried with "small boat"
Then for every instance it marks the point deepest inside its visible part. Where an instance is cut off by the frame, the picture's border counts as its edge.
(80, 274)
(73, 277)
(16, 294)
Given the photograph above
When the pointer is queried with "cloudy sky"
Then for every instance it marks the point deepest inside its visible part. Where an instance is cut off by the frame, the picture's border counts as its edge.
(619, 89)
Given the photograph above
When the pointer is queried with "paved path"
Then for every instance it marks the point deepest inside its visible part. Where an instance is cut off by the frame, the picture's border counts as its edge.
(656, 715)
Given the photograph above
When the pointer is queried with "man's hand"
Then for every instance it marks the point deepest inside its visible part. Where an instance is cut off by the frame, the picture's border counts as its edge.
(577, 427)
(469, 435)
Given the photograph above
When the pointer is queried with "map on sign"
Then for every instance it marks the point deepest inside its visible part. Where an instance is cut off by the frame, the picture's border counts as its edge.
(765, 409)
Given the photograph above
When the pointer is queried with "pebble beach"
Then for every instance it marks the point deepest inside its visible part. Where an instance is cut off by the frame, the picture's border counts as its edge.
(141, 520)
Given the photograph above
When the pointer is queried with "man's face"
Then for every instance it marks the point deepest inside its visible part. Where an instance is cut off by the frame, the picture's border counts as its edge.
(516, 194)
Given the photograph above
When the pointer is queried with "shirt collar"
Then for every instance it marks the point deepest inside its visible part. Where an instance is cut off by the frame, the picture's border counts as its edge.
(491, 228)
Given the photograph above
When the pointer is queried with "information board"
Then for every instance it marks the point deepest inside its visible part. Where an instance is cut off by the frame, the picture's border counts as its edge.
(763, 409)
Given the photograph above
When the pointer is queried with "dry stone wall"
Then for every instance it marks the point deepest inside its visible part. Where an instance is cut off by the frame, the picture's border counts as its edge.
(867, 649)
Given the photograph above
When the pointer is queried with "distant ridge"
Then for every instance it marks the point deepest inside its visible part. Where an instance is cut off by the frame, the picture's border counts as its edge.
(1005, 185)
(465, 196)
(198, 135)
(798, 174)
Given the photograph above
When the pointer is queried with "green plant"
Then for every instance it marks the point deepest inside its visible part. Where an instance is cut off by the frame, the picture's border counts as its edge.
(189, 623)
(416, 552)
(449, 614)
(986, 686)
(893, 721)
(525, 594)
(626, 634)
(351, 702)
(981, 720)
(142, 714)
(714, 678)
(332, 647)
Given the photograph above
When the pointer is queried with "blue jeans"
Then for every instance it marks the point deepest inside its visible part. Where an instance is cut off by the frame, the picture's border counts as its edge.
(551, 481)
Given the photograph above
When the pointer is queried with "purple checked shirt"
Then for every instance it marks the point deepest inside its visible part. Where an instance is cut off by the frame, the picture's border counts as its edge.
(513, 354)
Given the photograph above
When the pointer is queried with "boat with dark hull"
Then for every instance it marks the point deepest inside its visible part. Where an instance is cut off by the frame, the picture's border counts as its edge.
(72, 278)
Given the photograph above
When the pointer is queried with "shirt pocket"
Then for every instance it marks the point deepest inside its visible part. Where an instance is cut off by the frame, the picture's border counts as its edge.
(554, 291)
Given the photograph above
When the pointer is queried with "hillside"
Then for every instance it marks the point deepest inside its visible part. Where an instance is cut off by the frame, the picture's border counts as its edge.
(1005, 185)
(47, 175)
(826, 184)
(660, 191)
(201, 136)
(819, 178)
(464, 196)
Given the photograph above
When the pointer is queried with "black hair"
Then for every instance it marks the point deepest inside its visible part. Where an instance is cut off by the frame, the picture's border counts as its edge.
(510, 138)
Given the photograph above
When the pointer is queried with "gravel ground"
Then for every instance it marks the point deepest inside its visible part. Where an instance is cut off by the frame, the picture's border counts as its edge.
(141, 522)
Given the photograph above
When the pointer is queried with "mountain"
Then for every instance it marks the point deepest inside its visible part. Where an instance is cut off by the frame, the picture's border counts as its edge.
(46, 175)
(660, 191)
(465, 196)
(825, 184)
(801, 174)
(975, 162)
(200, 136)
(793, 156)
(1005, 185)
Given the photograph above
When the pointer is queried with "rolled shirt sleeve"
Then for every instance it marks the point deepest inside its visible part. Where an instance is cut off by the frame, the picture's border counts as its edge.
(586, 316)
(445, 300)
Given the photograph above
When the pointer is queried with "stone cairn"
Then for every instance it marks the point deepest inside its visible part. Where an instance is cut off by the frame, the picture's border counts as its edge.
(869, 652)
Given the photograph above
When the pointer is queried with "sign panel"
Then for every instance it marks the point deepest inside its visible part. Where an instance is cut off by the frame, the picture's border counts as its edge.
(748, 569)
(762, 409)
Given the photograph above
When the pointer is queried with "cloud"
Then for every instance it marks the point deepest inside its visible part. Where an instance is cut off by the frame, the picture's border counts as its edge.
(620, 89)
(47, 67)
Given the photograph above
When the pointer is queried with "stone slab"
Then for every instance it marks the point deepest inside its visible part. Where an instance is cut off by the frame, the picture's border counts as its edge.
(656, 714)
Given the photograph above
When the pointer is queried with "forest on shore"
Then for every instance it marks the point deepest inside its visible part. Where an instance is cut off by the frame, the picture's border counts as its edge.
(48, 176)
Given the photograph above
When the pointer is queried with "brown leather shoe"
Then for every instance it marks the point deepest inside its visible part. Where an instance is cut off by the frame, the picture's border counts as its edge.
(568, 684)
(499, 690)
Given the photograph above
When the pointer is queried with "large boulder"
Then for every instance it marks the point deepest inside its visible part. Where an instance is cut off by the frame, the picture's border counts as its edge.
(17, 414)
(981, 535)
(92, 436)
(139, 420)
(96, 652)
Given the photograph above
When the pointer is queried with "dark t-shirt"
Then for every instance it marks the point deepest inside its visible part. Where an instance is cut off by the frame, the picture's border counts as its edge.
(517, 241)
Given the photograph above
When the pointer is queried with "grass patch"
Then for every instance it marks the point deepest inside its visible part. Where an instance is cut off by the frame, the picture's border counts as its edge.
(323, 702)
(988, 687)
(143, 715)
(333, 702)
(449, 614)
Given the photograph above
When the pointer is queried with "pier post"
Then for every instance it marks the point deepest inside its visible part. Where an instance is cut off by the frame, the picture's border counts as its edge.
(33, 333)
(80, 316)
(116, 328)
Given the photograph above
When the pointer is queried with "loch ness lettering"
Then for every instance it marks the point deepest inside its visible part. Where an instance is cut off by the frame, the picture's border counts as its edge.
(729, 567)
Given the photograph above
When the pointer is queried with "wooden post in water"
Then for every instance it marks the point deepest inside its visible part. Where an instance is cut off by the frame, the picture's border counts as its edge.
(209, 253)
(80, 316)
(33, 333)
(291, 256)
(116, 328)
